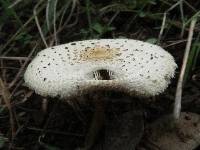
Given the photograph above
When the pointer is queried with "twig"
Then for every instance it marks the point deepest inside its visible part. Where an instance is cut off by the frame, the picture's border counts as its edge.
(164, 18)
(182, 18)
(178, 96)
(3, 71)
(20, 30)
(10, 68)
(175, 43)
(54, 132)
(49, 21)
(38, 24)
(113, 17)
(6, 98)
(16, 87)
(14, 58)
(22, 68)
(54, 22)
(190, 6)
(88, 11)
(47, 15)
(74, 3)
(162, 27)
(66, 25)
(63, 14)
(14, 3)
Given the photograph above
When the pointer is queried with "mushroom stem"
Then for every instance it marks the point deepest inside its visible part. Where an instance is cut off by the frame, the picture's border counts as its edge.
(99, 114)
(96, 123)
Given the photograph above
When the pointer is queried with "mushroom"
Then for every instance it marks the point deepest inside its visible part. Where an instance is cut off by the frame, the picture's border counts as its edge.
(135, 67)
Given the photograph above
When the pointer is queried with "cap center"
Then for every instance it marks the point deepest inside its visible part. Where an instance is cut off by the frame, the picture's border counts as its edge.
(99, 53)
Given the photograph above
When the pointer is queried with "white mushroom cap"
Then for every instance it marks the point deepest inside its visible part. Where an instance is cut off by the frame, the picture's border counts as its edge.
(134, 66)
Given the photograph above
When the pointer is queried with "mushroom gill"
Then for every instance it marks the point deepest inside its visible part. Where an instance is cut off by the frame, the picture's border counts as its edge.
(103, 74)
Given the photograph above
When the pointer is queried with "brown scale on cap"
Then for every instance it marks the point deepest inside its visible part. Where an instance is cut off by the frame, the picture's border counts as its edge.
(99, 53)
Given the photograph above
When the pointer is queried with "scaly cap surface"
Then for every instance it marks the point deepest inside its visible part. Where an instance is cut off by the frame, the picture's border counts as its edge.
(137, 67)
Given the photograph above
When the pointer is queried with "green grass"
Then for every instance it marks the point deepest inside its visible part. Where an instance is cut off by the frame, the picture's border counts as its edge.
(193, 58)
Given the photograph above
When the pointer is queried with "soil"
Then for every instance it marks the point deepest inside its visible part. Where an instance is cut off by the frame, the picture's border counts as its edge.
(64, 126)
